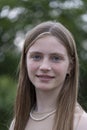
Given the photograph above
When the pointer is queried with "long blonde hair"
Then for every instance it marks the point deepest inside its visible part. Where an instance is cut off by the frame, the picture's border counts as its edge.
(26, 96)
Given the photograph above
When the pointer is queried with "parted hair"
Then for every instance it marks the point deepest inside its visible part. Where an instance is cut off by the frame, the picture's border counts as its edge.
(26, 96)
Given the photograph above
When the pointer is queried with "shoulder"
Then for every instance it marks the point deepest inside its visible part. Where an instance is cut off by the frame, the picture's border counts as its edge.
(12, 125)
(83, 122)
(84, 117)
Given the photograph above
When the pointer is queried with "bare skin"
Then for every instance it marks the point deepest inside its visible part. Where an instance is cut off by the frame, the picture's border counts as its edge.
(47, 66)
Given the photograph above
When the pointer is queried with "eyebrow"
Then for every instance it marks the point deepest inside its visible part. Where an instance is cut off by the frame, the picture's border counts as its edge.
(53, 53)
(35, 52)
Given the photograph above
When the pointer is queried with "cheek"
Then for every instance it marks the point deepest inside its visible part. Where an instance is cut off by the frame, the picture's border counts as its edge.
(61, 69)
(31, 68)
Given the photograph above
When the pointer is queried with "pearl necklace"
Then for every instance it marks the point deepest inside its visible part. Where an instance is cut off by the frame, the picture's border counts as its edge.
(41, 118)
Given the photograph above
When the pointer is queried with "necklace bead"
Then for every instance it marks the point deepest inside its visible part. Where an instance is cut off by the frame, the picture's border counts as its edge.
(43, 117)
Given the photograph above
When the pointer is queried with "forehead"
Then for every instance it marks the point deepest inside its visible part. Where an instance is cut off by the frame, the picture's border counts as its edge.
(48, 44)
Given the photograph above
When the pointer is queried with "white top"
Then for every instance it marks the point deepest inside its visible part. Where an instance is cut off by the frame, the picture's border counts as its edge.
(80, 122)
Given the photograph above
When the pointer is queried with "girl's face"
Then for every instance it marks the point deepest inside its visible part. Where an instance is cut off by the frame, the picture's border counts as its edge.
(47, 63)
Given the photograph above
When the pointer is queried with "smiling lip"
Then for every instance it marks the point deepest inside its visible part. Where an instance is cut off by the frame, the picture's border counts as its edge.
(45, 77)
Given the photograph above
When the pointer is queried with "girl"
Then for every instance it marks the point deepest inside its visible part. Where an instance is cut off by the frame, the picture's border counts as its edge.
(48, 82)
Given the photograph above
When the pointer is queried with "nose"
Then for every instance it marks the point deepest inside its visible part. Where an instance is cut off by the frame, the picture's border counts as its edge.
(45, 65)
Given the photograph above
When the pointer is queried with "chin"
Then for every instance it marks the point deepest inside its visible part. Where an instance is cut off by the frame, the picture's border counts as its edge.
(44, 88)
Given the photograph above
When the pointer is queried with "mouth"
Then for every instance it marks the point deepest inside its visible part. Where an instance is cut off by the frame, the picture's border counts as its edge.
(45, 77)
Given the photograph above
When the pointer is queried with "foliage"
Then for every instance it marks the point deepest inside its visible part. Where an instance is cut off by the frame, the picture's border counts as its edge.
(7, 94)
(19, 16)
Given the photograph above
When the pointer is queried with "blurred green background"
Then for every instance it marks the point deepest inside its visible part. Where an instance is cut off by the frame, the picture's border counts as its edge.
(19, 16)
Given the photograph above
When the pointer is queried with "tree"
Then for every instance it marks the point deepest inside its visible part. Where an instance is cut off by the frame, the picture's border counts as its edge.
(18, 17)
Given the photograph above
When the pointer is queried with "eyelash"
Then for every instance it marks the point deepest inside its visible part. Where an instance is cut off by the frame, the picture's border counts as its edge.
(52, 58)
(36, 57)
(55, 58)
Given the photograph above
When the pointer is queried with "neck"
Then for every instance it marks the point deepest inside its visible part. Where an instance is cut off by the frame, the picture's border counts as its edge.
(46, 100)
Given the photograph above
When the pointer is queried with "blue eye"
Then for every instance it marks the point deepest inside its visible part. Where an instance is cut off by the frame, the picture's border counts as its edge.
(55, 58)
(36, 57)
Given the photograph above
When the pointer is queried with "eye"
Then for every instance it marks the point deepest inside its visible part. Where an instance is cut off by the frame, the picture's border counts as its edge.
(36, 57)
(55, 58)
